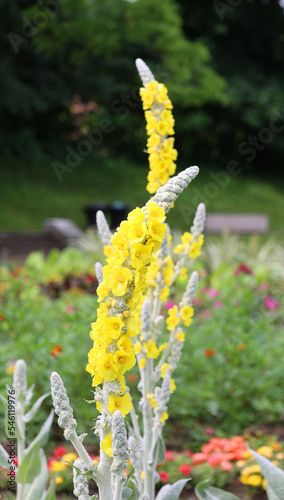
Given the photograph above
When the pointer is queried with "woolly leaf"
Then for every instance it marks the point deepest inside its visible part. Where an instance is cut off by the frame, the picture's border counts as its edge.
(30, 466)
(42, 436)
(273, 475)
(171, 491)
(37, 488)
(4, 457)
(28, 416)
(126, 493)
(50, 494)
(205, 492)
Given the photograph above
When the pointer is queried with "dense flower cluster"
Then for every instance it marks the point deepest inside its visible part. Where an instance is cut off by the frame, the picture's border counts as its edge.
(160, 122)
(250, 471)
(119, 294)
(220, 452)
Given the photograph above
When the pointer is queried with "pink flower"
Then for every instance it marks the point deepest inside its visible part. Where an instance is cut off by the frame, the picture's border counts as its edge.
(206, 314)
(212, 293)
(164, 476)
(242, 268)
(216, 459)
(169, 305)
(198, 458)
(69, 309)
(170, 456)
(204, 290)
(188, 453)
(226, 465)
(264, 286)
(218, 303)
(209, 431)
(270, 303)
(185, 469)
(197, 301)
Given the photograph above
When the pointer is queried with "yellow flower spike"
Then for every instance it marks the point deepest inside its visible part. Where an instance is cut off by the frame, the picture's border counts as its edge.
(106, 445)
(124, 361)
(119, 280)
(106, 367)
(140, 255)
(121, 403)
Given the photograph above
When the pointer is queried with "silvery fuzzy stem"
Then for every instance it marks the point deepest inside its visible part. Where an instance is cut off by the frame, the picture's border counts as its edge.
(66, 420)
(135, 450)
(146, 320)
(199, 220)
(119, 446)
(168, 193)
(99, 272)
(103, 228)
(20, 380)
(81, 487)
(120, 452)
(144, 72)
(190, 290)
(162, 396)
(104, 467)
(149, 484)
(164, 250)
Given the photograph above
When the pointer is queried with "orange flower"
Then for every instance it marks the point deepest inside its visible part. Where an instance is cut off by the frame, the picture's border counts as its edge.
(57, 349)
(209, 352)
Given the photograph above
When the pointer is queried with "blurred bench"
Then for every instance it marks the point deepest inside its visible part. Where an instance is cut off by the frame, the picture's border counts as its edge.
(236, 223)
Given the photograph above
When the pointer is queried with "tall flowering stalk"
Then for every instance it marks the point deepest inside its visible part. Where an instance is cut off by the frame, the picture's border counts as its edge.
(133, 286)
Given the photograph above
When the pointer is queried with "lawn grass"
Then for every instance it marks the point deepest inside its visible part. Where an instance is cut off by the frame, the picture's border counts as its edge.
(31, 193)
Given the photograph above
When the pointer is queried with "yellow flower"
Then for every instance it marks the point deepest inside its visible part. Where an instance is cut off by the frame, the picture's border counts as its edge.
(173, 385)
(108, 250)
(164, 368)
(136, 216)
(140, 255)
(180, 336)
(137, 232)
(106, 445)
(265, 451)
(58, 466)
(254, 480)
(124, 362)
(165, 292)
(137, 347)
(164, 417)
(183, 273)
(119, 280)
(172, 320)
(124, 344)
(10, 369)
(186, 315)
(151, 349)
(251, 469)
(157, 230)
(186, 239)
(112, 327)
(69, 457)
(142, 363)
(58, 480)
(155, 212)
(151, 400)
(121, 403)
(106, 367)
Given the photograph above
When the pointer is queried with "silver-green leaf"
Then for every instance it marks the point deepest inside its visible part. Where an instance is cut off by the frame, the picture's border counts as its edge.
(30, 466)
(171, 491)
(273, 475)
(28, 416)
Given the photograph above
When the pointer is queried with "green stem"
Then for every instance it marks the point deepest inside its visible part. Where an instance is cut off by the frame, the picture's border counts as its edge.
(20, 441)
(104, 468)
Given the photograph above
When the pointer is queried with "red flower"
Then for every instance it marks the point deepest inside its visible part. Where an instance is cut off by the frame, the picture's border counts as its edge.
(2, 316)
(164, 476)
(50, 462)
(198, 458)
(89, 279)
(188, 453)
(226, 465)
(185, 469)
(170, 457)
(132, 378)
(216, 459)
(242, 268)
(209, 352)
(57, 349)
(59, 452)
